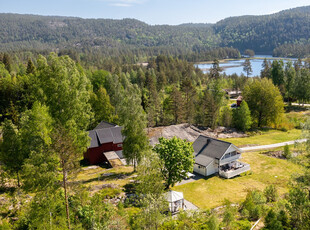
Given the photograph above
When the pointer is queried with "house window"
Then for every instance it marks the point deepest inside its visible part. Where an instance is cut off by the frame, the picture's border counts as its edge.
(119, 145)
(233, 153)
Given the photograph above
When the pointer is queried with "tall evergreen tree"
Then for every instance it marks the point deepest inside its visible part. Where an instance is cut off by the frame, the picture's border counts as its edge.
(6, 60)
(102, 108)
(289, 80)
(215, 70)
(247, 67)
(266, 71)
(176, 105)
(212, 101)
(30, 67)
(189, 99)
(277, 72)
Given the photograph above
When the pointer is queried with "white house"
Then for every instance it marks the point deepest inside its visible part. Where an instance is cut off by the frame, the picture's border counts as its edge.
(216, 156)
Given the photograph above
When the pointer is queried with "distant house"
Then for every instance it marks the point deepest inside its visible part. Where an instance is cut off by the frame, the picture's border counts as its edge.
(233, 93)
(106, 143)
(216, 156)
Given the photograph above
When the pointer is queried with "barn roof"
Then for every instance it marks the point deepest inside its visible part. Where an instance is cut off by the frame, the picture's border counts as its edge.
(206, 148)
(101, 136)
(104, 124)
(94, 140)
(117, 134)
(104, 135)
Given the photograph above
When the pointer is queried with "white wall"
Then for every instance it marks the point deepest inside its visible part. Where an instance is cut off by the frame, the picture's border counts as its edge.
(200, 169)
(212, 168)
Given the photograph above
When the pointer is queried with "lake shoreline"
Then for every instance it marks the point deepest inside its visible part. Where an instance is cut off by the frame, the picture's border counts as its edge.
(242, 58)
(235, 66)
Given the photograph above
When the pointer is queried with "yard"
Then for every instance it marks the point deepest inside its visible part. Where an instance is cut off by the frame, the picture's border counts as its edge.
(211, 192)
(95, 177)
(266, 137)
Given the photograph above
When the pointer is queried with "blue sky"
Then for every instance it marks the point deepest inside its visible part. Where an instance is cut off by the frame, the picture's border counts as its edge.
(171, 12)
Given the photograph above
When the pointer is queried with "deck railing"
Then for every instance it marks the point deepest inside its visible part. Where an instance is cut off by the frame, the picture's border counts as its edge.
(230, 159)
(235, 172)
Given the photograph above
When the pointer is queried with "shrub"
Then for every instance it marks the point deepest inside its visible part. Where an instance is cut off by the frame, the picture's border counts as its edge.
(287, 153)
(229, 214)
(271, 193)
(242, 225)
(253, 206)
(110, 192)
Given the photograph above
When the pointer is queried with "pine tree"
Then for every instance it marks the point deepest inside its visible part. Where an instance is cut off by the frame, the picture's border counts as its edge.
(212, 101)
(6, 60)
(30, 67)
(247, 67)
(176, 105)
(265, 72)
(215, 69)
(189, 99)
(102, 108)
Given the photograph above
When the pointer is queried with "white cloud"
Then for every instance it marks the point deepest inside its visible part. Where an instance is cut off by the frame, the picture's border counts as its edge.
(124, 3)
(120, 4)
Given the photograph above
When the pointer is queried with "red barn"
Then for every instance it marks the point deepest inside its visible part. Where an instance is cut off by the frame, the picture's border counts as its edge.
(106, 137)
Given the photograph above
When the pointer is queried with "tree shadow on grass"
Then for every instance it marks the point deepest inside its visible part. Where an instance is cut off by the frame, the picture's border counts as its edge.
(114, 176)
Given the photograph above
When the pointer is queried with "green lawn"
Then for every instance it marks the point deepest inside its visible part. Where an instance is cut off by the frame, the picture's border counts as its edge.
(99, 176)
(211, 192)
(266, 137)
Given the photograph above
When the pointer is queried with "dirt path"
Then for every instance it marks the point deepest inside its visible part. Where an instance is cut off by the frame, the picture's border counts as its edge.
(306, 105)
(260, 147)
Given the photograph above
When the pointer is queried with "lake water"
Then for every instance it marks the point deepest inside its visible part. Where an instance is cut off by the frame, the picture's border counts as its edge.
(235, 66)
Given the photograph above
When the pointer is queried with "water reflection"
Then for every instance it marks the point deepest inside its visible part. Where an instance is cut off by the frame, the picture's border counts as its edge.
(235, 66)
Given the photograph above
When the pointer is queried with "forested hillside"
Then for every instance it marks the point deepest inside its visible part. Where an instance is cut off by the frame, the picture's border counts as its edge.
(24, 31)
(260, 33)
(264, 33)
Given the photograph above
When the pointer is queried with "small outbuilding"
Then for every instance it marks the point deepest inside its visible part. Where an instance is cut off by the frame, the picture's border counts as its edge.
(175, 200)
(105, 139)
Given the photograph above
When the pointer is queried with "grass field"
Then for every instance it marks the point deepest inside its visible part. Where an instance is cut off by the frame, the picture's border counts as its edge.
(99, 176)
(266, 137)
(211, 192)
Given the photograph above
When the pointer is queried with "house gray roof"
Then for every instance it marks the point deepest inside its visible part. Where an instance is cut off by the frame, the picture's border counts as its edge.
(105, 135)
(104, 124)
(117, 134)
(203, 160)
(94, 140)
(206, 148)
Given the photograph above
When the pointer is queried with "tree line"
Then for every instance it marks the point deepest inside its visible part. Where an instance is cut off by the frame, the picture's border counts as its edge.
(259, 33)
